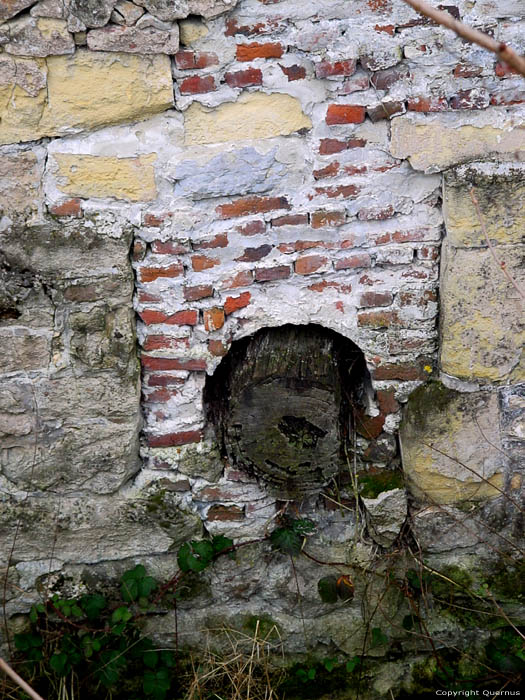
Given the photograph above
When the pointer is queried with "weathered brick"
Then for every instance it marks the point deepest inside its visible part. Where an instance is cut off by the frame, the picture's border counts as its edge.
(323, 219)
(175, 439)
(200, 291)
(247, 52)
(270, 274)
(251, 228)
(225, 513)
(202, 262)
(235, 303)
(376, 213)
(385, 110)
(321, 286)
(384, 79)
(169, 363)
(327, 69)
(466, 70)
(251, 205)
(244, 78)
(290, 220)
(310, 264)
(421, 298)
(428, 253)
(369, 426)
(387, 402)
(180, 318)
(335, 191)
(353, 261)
(474, 98)
(165, 342)
(376, 299)
(213, 319)
(220, 240)
(197, 84)
(378, 319)
(255, 254)
(345, 114)
(217, 348)
(188, 60)
(427, 104)
(72, 207)
(150, 274)
(331, 170)
(168, 248)
(503, 70)
(164, 380)
(293, 72)
(147, 298)
(139, 249)
(403, 372)
(330, 146)
(241, 279)
(156, 220)
(161, 395)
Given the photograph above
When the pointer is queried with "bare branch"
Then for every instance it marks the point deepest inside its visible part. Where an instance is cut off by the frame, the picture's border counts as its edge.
(502, 51)
(6, 668)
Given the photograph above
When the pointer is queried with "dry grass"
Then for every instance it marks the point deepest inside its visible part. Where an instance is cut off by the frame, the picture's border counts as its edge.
(244, 670)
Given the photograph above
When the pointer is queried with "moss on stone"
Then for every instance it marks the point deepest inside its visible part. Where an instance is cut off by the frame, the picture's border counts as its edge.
(428, 399)
(371, 485)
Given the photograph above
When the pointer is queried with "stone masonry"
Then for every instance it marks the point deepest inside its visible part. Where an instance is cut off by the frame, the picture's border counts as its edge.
(176, 176)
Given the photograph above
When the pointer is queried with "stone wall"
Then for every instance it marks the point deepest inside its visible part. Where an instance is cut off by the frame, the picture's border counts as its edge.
(223, 167)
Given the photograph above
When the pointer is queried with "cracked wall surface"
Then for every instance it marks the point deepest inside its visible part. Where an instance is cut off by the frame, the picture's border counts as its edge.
(176, 176)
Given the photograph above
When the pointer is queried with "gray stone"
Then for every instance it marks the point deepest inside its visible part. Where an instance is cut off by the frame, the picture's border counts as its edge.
(230, 173)
(170, 10)
(134, 40)
(148, 20)
(22, 350)
(13, 7)
(50, 8)
(90, 13)
(30, 75)
(126, 13)
(20, 183)
(36, 36)
(386, 515)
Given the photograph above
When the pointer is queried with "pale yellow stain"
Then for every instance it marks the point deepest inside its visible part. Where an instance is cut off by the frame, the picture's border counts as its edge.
(253, 116)
(130, 179)
(51, 28)
(191, 30)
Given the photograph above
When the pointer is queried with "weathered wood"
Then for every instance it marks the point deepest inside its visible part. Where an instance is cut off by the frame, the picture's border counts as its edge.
(280, 404)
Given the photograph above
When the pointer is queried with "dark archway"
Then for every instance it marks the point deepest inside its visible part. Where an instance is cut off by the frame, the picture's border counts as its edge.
(282, 402)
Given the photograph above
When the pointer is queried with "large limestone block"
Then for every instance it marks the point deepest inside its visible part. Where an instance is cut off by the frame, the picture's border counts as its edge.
(22, 350)
(482, 323)
(253, 116)
(130, 179)
(434, 143)
(83, 91)
(500, 190)
(443, 430)
(20, 184)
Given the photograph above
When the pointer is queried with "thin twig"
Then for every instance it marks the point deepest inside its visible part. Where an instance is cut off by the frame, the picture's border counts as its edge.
(474, 36)
(6, 668)
(500, 264)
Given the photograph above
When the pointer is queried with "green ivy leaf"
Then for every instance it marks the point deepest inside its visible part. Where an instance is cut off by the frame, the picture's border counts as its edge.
(303, 527)
(59, 662)
(329, 664)
(327, 588)
(93, 605)
(352, 664)
(408, 622)
(150, 658)
(156, 683)
(129, 590)
(286, 540)
(195, 555)
(27, 641)
(138, 572)
(122, 614)
(379, 638)
(220, 543)
(146, 586)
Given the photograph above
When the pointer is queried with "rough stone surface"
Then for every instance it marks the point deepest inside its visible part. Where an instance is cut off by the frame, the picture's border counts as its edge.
(42, 36)
(169, 10)
(133, 40)
(10, 8)
(386, 515)
(444, 430)
(20, 186)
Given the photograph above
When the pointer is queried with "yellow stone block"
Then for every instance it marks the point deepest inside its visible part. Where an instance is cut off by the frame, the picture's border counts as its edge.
(85, 91)
(20, 184)
(130, 179)
(435, 143)
(191, 30)
(482, 320)
(450, 445)
(253, 116)
(501, 195)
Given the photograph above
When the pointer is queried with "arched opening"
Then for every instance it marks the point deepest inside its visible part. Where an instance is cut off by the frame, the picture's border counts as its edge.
(283, 403)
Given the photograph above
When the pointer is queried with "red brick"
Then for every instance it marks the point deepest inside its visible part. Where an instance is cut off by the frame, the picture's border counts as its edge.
(156, 220)
(470, 99)
(251, 228)
(180, 318)
(241, 279)
(186, 437)
(247, 52)
(387, 28)
(465, 70)
(428, 253)
(330, 170)
(244, 78)
(356, 83)
(329, 146)
(348, 242)
(200, 291)
(165, 342)
(310, 264)
(427, 104)
(361, 260)
(420, 298)
(201, 262)
(375, 213)
(197, 84)
(70, 208)
(213, 319)
(232, 28)
(168, 248)
(286, 248)
(376, 299)
(220, 240)
(161, 395)
(306, 245)
(368, 426)
(204, 59)
(384, 79)
(337, 190)
(503, 70)
(345, 114)
(150, 274)
(139, 250)
(322, 219)
(321, 286)
(147, 298)
(269, 274)
(187, 60)
(508, 97)
(378, 319)
(235, 303)
(293, 72)
(290, 220)
(164, 380)
(169, 363)
(403, 372)
(385, 110)
(251, 205)
(327, 69)
(217, 348)
(387, 402)
(355, 169)
(255, 254)
(225, 513)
